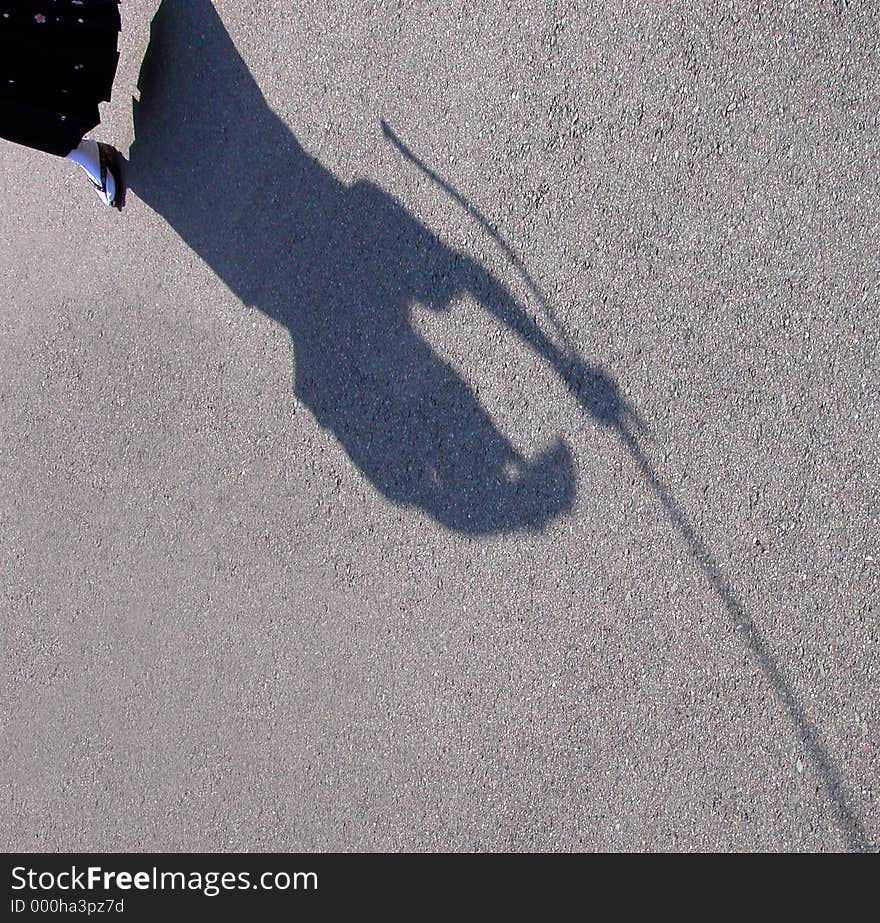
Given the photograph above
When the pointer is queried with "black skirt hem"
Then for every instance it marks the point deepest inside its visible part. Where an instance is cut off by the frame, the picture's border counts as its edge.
(58, 61)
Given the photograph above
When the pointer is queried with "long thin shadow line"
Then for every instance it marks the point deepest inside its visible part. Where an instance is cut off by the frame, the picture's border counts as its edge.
(490, 229)
(829, 775)
(569, 347)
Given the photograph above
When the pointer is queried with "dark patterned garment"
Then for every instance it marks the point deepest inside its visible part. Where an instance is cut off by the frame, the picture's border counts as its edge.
(57, 62)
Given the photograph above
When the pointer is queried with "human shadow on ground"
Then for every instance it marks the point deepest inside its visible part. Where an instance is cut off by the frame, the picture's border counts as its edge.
(341, 266)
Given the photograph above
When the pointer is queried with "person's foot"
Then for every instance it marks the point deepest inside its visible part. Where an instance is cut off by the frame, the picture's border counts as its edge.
(103, 166)
(111, 190)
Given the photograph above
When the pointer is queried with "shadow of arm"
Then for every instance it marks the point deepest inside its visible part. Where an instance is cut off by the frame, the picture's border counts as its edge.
(594, 390)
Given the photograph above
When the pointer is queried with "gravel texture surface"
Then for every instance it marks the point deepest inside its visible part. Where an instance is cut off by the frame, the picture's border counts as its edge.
(467, 438)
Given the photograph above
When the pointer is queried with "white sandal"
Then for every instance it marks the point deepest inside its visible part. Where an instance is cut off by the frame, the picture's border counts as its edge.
(111, 165)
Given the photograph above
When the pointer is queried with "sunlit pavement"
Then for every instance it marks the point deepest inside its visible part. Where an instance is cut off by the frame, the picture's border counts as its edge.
(466, 438)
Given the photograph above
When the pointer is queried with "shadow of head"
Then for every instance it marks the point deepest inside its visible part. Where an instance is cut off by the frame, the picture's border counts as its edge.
(340, 265)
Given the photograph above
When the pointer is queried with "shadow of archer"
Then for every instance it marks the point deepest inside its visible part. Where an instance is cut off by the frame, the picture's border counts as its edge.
(341, 267)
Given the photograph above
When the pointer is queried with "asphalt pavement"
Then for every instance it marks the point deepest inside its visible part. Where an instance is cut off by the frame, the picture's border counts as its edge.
(466, 438)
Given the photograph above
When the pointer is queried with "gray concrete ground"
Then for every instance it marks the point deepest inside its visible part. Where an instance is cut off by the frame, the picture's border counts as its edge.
(505, 479)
